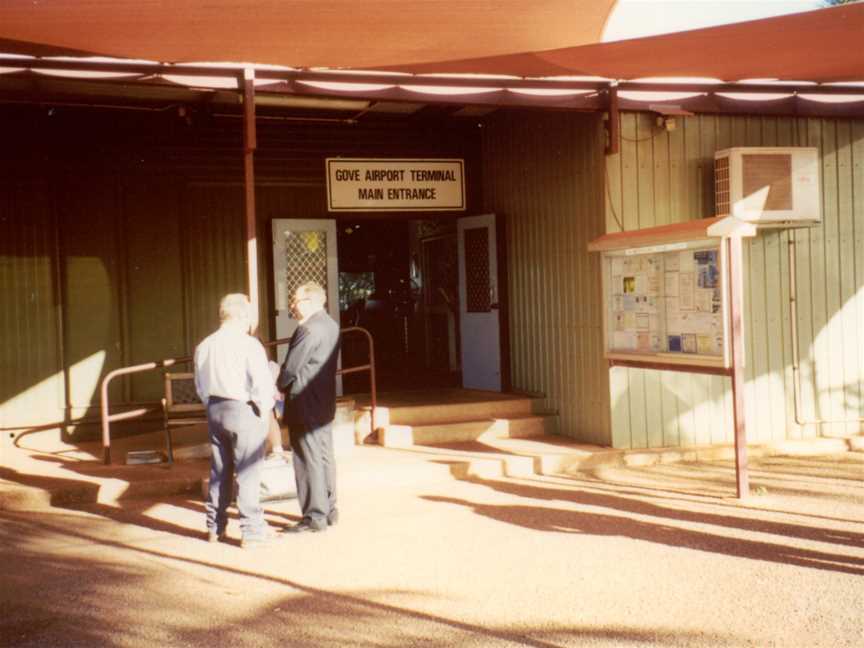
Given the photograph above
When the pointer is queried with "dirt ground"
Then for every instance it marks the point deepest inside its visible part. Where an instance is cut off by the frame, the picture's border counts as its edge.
(652, 556)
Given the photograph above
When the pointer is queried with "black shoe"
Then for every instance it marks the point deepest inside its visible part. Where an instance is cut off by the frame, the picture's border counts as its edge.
(304, 526)
(216, 536)
(333, 518)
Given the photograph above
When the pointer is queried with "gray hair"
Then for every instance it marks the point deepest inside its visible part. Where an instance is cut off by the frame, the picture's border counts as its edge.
(313, 291)
(234, 307)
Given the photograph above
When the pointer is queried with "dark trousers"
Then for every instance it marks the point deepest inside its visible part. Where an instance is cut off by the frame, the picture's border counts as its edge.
(237, 438)
(314, 470)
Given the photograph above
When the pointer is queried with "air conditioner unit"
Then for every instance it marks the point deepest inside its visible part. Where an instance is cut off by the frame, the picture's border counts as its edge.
(768, 184)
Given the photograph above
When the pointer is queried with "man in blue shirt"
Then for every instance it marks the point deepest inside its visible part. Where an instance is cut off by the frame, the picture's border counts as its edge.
(233, 380)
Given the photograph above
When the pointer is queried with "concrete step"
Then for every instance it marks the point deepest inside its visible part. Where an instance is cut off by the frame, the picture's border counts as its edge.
(424, 407)
(343, 444)
(30, 482)
(456, 412)
(37, 485)
(521, 457)
(91, 482)
(402, 436)
(556, 455)
(191, 442)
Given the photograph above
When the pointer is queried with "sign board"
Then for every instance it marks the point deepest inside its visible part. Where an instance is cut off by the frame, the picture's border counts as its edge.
(667, 304)
(363, 185)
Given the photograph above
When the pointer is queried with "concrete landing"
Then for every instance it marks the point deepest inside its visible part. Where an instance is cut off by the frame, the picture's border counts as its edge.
(44, 474)
(41, 480)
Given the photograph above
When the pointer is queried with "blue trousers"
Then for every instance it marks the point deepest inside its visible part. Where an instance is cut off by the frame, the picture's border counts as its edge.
(237, 438)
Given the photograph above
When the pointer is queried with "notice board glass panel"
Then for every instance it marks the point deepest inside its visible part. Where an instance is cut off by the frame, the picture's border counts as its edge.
(667, 303)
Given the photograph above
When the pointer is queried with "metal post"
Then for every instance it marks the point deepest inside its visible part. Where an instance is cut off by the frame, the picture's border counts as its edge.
(250, 143)
(736, 332)
(613, 126)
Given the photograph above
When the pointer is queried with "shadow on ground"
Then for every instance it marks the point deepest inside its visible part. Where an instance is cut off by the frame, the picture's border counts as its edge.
(57, 598)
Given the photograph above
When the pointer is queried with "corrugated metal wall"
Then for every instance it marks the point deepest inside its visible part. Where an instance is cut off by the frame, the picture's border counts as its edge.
(664, 177)
(28, 290)
(120, 231)
(543, 173)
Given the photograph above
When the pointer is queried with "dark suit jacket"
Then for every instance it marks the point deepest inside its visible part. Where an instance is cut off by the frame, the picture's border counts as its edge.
(308, 375)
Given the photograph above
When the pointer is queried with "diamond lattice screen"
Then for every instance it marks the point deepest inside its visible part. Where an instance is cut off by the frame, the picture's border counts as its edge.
(477, 270)
(305, 260)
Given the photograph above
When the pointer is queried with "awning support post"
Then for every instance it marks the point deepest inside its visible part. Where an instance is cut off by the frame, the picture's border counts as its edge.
(613, 124)
(250, 143)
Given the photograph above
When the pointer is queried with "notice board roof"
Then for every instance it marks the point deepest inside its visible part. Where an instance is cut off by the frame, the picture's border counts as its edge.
(693, 230)
(674, 233)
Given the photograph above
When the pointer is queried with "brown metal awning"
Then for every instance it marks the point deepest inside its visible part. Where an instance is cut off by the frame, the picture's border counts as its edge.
(299, 33)
(542, 38)
(822, 46)
(813, 49)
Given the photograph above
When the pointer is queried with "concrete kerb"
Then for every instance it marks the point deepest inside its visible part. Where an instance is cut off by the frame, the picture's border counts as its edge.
(467, 462)
(89, 482)
(371, 467)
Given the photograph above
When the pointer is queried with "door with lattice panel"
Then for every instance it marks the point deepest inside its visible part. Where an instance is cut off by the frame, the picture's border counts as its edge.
(303, 250)
(478, 303)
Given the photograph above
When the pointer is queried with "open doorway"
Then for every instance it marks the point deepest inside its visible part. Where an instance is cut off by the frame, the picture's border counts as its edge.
(425, 289)
(399, 279)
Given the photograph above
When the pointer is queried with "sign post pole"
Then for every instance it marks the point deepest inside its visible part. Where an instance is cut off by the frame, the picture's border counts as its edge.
(736, 330)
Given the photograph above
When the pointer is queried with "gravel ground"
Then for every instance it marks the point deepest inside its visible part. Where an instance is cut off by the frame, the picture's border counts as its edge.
(653, 556)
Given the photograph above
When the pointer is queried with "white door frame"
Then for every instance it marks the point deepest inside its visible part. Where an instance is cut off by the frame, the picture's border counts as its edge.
(480, 330)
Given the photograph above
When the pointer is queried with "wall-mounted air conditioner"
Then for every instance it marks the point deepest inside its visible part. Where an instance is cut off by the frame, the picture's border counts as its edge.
(768, 184)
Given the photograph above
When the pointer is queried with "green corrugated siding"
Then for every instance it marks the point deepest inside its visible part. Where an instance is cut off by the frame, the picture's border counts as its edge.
(31, 381)
(152, 266)
(215, 251)
(542, 172)
(661, 177)
(90, 232)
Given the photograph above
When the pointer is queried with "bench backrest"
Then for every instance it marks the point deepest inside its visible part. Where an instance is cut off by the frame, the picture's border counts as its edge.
(180, 394)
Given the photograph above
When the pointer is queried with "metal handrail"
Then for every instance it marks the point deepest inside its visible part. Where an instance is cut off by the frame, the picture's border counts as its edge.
(107, 417)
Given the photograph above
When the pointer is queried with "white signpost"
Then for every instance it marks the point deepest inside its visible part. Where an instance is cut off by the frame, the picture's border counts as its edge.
(363, 185)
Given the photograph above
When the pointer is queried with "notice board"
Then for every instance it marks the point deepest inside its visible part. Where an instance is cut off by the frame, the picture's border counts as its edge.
(667, 304)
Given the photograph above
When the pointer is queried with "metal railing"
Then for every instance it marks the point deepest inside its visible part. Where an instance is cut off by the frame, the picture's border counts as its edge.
(108, 418)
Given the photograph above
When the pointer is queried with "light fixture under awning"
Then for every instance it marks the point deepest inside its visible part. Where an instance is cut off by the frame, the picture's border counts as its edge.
(294, 101)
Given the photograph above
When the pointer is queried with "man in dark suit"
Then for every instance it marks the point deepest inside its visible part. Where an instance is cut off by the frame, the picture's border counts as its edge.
(308, 379)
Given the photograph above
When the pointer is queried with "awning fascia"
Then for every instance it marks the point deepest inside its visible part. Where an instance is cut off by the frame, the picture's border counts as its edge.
(589, 95)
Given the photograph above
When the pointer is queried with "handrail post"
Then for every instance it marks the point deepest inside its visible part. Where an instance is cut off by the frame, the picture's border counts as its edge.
(104, 405)
(372, 381)
(106, 432)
